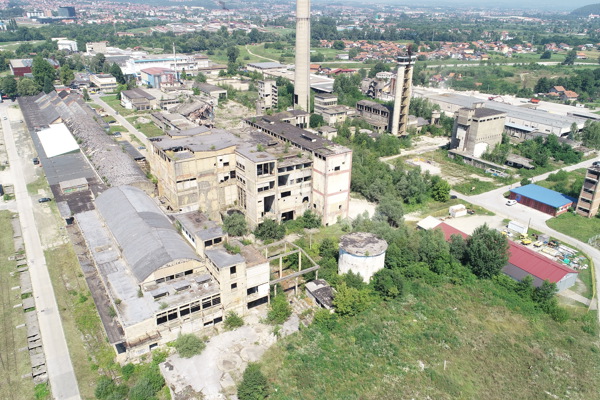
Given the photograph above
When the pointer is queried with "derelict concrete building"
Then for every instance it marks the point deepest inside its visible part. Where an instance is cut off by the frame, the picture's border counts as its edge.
(156, 283)
(477, 130)
(269, 170)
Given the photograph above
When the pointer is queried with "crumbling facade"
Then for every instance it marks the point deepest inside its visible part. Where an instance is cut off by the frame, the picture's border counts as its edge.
(269, 170)
(477, 130)
(589, 199)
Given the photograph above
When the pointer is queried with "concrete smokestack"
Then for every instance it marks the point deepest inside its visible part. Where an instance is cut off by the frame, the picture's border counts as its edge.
(302, 75)
(402, 98)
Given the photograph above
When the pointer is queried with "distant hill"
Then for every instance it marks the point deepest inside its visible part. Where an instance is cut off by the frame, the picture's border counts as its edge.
(586, 10)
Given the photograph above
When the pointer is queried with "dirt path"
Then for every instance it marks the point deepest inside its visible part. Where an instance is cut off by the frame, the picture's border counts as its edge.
(256, 55)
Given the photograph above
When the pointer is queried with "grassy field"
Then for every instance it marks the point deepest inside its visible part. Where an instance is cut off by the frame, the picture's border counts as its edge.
(87, 343)
(149, 129)
(115, 104)
(14, 363)
(40, 183)
(117, 128)
(448, 342)
(575, 226)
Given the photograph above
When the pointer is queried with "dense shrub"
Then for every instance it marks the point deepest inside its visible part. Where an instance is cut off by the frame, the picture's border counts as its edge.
(254, 385)
(189, 345)
(233, 321)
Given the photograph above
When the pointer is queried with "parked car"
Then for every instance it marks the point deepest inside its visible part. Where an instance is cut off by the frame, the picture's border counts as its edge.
(596, 164)
(117, 134)
(142, 148)
(511, 202)
(44, 200)
(36, 161)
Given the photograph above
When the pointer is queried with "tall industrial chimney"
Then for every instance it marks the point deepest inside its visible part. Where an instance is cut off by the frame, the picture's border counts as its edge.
(403, 88)
(302, 75)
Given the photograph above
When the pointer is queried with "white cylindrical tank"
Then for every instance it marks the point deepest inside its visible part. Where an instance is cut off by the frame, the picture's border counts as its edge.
(362, 253)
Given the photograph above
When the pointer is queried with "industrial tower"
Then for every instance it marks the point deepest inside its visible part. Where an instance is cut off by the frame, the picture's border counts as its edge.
(402, 99)
(302, 73)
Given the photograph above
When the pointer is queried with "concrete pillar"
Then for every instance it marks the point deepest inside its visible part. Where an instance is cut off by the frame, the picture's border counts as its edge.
(280, 266)
(398, 99)
(302, 72)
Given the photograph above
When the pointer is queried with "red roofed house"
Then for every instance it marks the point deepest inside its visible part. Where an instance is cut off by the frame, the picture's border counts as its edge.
(556, 90)
(569, 95)
(523, 261)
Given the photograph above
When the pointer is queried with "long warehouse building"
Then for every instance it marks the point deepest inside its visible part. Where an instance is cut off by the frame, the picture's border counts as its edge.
(520, 119)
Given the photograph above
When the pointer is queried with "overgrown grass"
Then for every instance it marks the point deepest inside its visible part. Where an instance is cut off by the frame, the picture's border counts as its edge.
(149, 129)
(446, 342)
(40, 183)
(85, 335)
(115, 104)
(117, 128)
(14, 363)
(474, 186)
(575, 226)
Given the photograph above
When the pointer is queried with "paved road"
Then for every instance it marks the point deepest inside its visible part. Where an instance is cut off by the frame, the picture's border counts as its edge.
(494, 201)
(58, 361)
(96, 98)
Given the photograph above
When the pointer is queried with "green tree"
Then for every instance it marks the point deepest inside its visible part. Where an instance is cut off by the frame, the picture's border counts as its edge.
(544, 294)
(351, 301)
(42, 69)
(27, 87)
(317, 57)
(254, 385)
(233, 52)
(546, 55)
(9, 86)
(66, 75)
(570, 58)
(48, 86)
(86, 95)
(270, 230)
(200, 78)
(390, 210)
(189, 345)
(457, 247)
(338, 45)
(116, 71)
(279, 310)
(440, 191)
(235, 224)
(389, 283)
(487, 252)
(316, 120)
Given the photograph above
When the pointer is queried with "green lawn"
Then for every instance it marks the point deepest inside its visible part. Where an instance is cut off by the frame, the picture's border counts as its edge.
(115, 104)
(117, 128)
(576, 226)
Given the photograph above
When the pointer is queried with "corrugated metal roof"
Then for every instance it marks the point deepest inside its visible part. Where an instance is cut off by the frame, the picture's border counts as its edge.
(145, 235)
(544, 195)
(522, 261)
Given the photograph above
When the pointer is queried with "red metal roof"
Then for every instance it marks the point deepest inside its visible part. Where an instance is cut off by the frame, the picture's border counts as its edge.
(537, 264)
(524, 258)
(449, 231)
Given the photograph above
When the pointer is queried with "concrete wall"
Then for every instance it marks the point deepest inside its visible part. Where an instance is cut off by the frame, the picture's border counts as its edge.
(365, 266)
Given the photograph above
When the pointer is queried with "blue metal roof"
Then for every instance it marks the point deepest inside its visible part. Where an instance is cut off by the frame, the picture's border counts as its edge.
(544, 195)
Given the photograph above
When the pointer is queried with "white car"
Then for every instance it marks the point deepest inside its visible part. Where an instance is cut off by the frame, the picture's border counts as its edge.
(511, 202)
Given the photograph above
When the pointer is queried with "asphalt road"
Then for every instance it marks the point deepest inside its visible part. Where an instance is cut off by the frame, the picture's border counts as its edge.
(495, 201)
(122, 121)
(61, 375)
